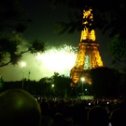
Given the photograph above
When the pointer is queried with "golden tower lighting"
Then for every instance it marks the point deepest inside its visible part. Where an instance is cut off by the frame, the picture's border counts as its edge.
(88, 55)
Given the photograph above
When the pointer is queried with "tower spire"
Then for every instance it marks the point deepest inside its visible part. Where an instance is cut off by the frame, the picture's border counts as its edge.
(87, 32)
(88, 55)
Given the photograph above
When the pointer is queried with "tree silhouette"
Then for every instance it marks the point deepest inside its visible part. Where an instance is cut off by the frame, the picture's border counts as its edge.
(12, 16)
(13, 22)
(105, 82)
(62, 85)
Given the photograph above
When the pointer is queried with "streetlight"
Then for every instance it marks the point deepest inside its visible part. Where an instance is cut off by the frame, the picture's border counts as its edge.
(82, 79)
(52, 85)
(22, 64)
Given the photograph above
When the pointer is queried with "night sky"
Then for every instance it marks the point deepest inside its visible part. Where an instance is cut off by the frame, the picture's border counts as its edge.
(44, 17)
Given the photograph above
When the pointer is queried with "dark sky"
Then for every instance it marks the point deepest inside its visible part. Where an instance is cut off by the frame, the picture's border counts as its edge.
(44, 18)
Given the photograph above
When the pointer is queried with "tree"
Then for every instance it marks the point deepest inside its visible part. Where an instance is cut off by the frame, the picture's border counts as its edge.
(45, 86)
(13, 23)
(117, 47)
(13, 18)
(62, 85)
(12, 49)
(105, 82)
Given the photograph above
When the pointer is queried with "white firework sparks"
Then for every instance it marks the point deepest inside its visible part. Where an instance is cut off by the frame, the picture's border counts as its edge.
(59, 60)
(44, 64)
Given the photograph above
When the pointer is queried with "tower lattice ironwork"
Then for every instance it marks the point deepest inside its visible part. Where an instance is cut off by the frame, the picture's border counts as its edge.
(88, 55)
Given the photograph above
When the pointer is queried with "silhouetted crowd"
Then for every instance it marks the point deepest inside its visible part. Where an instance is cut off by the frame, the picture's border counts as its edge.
(73, 112)
(20, 108)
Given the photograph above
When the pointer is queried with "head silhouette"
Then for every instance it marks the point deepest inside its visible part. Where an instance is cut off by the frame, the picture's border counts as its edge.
(118, 117)
(98, 117)
(19, 108)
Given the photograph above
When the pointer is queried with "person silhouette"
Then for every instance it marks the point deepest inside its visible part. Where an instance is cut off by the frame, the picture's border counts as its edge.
(118, 115)
(98, 116)
(19, 108)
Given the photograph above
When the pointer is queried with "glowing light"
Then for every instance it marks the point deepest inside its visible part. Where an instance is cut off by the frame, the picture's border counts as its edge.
(59, 60)
(107, 102)
(52, 85)
(87, 62)
(22, 64)
(82, 79)
(89, 103)
(85, 89)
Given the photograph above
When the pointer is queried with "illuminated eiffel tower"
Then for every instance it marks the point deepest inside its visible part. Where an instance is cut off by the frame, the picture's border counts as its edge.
(88, 55)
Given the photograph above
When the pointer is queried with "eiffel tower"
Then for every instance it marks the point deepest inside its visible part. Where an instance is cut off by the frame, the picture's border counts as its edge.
(88, 56)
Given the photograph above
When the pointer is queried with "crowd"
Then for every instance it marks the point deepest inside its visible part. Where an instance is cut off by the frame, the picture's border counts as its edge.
(83, 112)
(20, 108)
